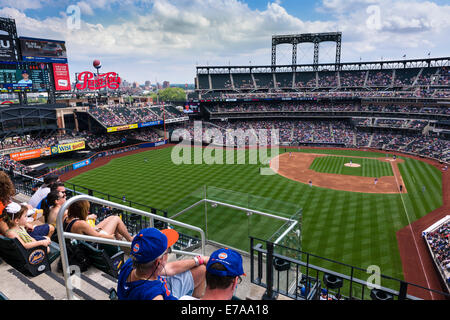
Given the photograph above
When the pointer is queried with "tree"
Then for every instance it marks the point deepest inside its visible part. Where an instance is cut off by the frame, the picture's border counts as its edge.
(172, 94)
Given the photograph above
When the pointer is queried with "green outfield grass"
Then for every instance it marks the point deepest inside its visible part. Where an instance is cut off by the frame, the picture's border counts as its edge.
(369, 167)
(351, 227)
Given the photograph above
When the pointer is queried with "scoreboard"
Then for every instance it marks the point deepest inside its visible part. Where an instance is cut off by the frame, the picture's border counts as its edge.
(24, 77)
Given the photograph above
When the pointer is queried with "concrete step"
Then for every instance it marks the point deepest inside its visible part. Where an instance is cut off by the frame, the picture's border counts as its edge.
(92, 285)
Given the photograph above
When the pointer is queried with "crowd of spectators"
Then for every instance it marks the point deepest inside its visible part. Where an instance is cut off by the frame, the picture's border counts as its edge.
(439, 242)
(115, 139)
(342, 132)
(379, 78)
(413, 93)
(145, 135)
(352, 79)
(403, 78)
(9, 164)
(36, 141)
(323, 106)
(120, 114)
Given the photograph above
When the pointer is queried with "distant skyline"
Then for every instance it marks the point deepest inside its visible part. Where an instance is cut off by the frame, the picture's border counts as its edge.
(164, 40)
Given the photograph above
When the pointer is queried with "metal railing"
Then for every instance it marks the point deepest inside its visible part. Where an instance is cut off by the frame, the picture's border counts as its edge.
(68, 235)
(304, 274)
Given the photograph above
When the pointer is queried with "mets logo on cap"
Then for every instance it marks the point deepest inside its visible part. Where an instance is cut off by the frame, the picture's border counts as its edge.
(222, 256)
(136, 248)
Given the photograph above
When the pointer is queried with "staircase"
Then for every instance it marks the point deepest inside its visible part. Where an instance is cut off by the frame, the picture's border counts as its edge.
(331, 132)
(370, 140)
(417, 77)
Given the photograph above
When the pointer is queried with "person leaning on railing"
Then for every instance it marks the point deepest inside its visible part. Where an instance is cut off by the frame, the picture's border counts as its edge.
(147, 275)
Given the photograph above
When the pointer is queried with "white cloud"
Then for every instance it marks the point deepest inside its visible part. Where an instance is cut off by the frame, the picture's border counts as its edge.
(177, 34)
(23, 4)
(85, 8)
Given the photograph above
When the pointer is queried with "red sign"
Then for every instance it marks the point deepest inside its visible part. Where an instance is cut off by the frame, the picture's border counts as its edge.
(61, 76)
(87, 79)
(30, 154)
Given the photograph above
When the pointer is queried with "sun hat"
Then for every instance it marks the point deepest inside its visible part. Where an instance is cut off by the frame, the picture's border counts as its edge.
(150, 243)
(230, 259)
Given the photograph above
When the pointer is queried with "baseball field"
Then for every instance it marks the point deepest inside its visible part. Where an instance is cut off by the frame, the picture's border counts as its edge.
(355, 224)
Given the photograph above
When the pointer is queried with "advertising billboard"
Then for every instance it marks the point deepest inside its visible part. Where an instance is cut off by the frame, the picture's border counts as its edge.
(150, 123)
(61, 148)
(15, 78)
(81, 164)
(88, 80)
(43, 50)
(124, 127)
(30, 154)
(61, 77)
(6, 48)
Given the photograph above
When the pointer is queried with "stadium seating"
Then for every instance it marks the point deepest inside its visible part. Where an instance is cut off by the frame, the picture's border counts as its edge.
(107, 258)
(203, 81)
(284, 79)
(243, 81)
(406, 77)
(28, 261)
(305, 80)
(221, 81)
(263, 80)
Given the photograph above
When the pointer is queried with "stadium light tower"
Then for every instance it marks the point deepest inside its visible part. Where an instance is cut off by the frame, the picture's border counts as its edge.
(315, 38)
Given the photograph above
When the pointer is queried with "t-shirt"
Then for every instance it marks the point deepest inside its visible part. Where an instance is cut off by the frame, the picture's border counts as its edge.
(37, 197)
(140, 289)
(1, 209)
(188, 298)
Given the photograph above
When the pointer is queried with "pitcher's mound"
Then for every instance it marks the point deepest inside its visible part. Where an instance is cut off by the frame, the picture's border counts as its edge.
(352, 165)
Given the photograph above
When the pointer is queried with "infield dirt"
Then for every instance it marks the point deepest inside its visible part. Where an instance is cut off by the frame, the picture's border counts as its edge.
(296, 167)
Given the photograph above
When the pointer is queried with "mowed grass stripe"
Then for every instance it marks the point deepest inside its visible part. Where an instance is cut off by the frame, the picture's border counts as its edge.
(335, 224)
(423, 193)
(336, 165)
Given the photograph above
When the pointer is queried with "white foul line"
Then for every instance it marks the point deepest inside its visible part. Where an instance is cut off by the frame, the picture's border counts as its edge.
(410, 226)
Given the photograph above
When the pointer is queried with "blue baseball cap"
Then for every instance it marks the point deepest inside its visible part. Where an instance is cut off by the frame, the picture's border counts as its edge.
(24, 71)
(230, 259)
(150, 243)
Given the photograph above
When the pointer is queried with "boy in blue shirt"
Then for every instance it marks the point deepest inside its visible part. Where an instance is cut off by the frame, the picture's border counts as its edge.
(148, 276)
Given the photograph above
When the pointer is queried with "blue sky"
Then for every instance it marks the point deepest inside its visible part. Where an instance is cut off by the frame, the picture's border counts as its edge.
(160, 40)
